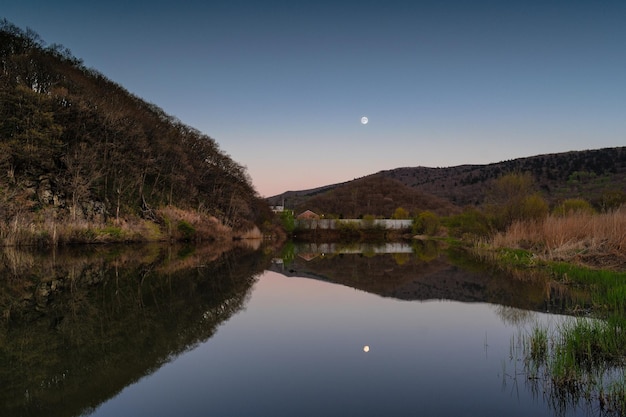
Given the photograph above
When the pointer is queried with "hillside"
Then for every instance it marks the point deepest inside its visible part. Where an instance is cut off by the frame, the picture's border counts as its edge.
(378, 195)
(75, 145)
(596, 175)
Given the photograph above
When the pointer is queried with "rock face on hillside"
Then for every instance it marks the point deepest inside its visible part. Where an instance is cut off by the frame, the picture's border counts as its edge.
(74, 142)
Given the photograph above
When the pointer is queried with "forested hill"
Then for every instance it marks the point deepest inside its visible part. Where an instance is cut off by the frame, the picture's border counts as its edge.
(73, 140)
(599, 176)
(596, 175)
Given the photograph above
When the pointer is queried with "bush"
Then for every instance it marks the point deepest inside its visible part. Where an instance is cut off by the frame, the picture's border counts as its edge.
(470, 222)
(573, 205)
(400, 213)
(530, 207)
(426, 223)
(348, 229)
(288, 221)
(113, 231)
(533, 207)
(612, 200)
(187, 231)
(512, 199)
(368, 221)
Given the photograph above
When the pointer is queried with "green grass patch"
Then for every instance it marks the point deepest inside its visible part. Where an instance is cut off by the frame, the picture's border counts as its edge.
(607, 288)
(187, 231)
(592, 343)
(581, 359)
(518, 258)
(538, 344)
(113, 231)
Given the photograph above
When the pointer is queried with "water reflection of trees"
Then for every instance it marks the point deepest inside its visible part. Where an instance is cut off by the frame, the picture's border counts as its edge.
(427, 270)
(79, 327)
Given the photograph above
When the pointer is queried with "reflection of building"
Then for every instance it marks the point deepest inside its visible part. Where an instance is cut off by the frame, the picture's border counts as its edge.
(278, 264)
(319, 223)
(309, 256)
(309, 249)
(308, 215)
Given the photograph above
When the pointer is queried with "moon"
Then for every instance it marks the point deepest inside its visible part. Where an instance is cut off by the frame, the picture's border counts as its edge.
(364, 120)
(366, 348)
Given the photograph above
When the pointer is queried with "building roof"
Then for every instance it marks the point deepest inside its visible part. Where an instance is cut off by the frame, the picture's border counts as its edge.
(308, 214)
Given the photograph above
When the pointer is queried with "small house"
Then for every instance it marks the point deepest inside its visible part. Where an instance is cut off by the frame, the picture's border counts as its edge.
(308, 215)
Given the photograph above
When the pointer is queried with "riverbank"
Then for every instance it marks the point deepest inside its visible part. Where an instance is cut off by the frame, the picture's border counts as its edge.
(48, 228)
(596, 241)
(583, 255)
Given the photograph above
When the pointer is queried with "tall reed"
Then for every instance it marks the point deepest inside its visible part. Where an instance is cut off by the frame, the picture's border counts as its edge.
(596, 239)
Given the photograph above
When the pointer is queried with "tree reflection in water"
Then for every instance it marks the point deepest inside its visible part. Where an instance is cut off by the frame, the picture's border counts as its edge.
(79, 326)
(423, 270)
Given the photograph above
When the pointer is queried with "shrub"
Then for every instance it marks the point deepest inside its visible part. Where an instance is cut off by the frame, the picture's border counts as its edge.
(400, 213)
(613, 199)
(288, 221)
(368, 221)
(533, 207)
(113, 231)
(186, 230)
(571, 206)
(511, 199)
(470, 222)
(348, 229)
(426, 223)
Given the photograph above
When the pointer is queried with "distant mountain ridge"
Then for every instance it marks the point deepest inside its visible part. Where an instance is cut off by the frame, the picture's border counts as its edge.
(597, 175)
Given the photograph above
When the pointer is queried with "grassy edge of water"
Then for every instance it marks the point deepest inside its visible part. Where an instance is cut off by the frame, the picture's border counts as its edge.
(168, 224)
(580, 359)
(607, 288)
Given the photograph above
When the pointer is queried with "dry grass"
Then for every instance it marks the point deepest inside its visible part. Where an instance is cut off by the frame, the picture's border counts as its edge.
(590, 239)
(202, 225)
(46, 228)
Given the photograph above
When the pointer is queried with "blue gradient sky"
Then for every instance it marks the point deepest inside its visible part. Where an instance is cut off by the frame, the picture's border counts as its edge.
(282, 85)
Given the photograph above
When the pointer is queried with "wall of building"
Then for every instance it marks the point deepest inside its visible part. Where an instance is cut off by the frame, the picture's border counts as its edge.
(311, 224)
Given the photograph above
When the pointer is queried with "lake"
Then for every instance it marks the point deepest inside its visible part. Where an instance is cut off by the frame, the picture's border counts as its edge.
(314, 330)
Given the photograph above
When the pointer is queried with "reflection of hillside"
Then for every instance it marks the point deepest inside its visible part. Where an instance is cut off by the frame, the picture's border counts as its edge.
(419, 277)
(80, 328)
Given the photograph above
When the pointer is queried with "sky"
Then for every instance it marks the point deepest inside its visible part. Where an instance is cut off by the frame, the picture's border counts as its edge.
(282, 85)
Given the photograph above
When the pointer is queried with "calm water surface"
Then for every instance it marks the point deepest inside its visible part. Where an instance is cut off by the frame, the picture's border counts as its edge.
(299, 348)
(310, 347)
(304, 338)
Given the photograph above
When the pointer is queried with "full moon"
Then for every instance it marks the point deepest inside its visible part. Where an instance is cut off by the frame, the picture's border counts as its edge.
(366, 348)
(364, 120)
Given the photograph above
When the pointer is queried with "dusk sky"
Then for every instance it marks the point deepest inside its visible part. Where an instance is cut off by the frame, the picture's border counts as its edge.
(282, 85)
